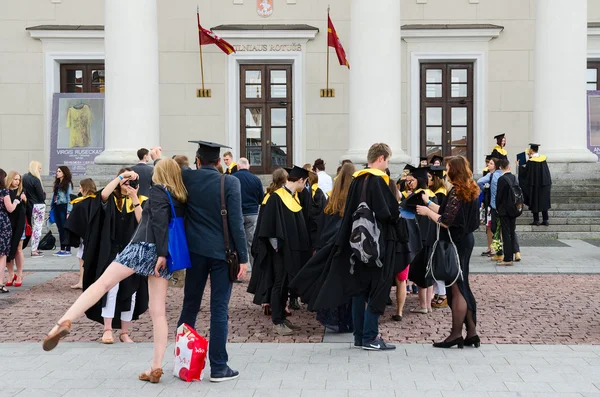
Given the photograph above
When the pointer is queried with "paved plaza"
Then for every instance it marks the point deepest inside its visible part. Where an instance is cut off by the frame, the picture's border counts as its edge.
(539, 322)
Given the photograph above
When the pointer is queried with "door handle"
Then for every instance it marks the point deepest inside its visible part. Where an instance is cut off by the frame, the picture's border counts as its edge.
(283, 103)
(268, 142)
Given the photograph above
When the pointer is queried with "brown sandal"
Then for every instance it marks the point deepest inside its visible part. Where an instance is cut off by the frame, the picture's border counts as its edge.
(107, 341)
(154, 376)
(121, 338)
(52, 340)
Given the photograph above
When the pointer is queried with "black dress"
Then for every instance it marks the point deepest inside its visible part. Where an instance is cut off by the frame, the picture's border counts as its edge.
(17, 222)
(462, 220)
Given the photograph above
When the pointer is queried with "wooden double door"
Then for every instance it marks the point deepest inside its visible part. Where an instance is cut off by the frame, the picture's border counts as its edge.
(266, 117)
(446, 109)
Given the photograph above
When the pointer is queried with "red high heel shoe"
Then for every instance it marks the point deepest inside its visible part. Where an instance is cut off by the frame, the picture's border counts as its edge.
(18, 284)
(10, 282)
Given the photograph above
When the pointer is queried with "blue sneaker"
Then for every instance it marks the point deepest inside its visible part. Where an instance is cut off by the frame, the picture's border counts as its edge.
(65, 253)
(228, 374)
(58, 253)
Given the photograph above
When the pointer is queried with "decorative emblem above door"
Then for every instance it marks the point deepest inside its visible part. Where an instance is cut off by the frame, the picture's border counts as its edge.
(264, 8)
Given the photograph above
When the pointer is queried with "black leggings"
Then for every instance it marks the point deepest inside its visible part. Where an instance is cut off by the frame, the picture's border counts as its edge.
(60, 216)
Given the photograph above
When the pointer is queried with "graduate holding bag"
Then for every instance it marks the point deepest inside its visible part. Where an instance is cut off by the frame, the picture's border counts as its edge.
(146, 255)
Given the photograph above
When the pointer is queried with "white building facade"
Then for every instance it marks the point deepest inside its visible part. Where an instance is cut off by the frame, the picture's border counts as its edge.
(426, 76)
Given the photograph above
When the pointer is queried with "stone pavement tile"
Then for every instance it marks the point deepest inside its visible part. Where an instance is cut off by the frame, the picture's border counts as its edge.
(182, 393)
(534, 387)
(144, 392)
(418, 393)
(472, 368)
(412, 376)
(570, 386)
(230, 393)
(383, 385)
(373, 393)
(349, 384)
(324, 393)
(383, 374)
(303, 384)
(10, 392)
(325, 375)
(354, 367)
(501, 376)
(435, 385)
(477, 385)
(90, 393)
(277, 393)
(37, 392)
(67, 374)
(258, 384)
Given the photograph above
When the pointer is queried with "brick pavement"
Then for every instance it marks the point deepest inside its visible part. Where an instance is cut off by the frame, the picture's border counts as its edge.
(556, 309)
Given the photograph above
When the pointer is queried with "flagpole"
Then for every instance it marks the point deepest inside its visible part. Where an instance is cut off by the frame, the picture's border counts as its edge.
(200, 42)
(327, 46)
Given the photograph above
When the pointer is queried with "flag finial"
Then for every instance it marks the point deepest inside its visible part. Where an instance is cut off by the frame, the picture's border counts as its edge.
(197, 9)
(328, 8)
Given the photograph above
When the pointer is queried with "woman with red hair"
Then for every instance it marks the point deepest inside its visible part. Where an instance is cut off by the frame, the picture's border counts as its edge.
(459, 215)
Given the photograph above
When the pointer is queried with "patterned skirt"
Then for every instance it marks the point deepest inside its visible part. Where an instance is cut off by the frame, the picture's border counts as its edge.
(141, 257)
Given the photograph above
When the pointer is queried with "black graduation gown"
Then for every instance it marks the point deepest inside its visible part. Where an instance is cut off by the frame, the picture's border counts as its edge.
(329, 268)
(256, 278)
(304, 197)
(281, 218)
(318, 202)
(536, 183)
(427, 228)
(77, 224)
(17, 222)
(109, 232)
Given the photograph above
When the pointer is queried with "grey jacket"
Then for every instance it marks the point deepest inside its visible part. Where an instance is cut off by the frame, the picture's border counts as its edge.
(145, 172)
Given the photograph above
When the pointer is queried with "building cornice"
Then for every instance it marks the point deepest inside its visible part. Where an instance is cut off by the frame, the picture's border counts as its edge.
(66, 32)
(485, 32)
(279, 31)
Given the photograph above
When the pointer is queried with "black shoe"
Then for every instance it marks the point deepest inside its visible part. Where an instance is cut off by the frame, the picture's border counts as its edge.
(237, 281)
(357, 345)
(460, 342)
(396, 317)
(378, 344)
(545, 223)
(535, 223)
(473, 341)
(294, 305)
(229, 374)
(389, 302)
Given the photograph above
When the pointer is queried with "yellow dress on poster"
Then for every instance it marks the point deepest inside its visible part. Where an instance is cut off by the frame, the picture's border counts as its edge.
(79, 122)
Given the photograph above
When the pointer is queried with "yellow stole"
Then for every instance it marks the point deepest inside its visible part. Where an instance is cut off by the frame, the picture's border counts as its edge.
(80, 199)
(128, 204)
(500, 150)
(441, 190)
(372, 171)
(288, 200)
(429, 192)
(538, 159)
(314, 188)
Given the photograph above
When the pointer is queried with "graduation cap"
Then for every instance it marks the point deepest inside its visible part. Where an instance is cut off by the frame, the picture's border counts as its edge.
(488, 158)
(499, 136)
(297, 172)
(208, 150)
(420, 173)
(438, 171)
(436, 158)
(534, 146)
(412, 201)
(410, 168)
(423, 158)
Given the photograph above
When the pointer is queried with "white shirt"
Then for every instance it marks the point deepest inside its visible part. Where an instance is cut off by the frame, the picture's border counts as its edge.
(325, 182)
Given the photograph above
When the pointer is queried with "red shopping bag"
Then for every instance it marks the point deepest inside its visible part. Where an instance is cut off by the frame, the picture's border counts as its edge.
(190, 354)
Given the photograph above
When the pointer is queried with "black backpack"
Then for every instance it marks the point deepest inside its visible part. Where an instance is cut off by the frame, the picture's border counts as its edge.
(48, 242)
(364, 236)
(514, 206)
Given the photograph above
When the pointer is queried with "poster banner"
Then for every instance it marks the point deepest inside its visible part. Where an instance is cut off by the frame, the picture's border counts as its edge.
(593, 119)
(77, 133)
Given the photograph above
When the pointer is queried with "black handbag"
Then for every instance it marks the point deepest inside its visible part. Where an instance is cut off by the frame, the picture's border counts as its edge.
(231, 256)
(444, 262)
(48, 242)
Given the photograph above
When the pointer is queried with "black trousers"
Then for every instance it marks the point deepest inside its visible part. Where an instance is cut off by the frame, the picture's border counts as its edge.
(60, 215)
(279, 291)
(509, 241)
(536, 216)
(494, 220)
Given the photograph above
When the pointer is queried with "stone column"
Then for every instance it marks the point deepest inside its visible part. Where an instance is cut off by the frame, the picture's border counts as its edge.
(132, 108)
(559, 111)
(375, 81)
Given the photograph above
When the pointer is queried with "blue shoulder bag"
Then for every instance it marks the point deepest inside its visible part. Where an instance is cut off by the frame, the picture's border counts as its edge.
(179, 254)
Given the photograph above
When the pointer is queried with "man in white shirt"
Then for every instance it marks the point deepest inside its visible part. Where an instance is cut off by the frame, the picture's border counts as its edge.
(325, 181)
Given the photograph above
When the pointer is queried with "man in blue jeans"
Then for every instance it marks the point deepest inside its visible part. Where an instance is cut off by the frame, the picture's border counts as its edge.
(204, 229)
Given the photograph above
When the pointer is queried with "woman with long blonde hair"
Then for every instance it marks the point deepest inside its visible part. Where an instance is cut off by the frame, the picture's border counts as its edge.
(340, 318)
(36, 205)
(146, 256)
(17, 214)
